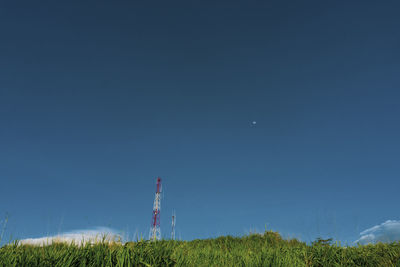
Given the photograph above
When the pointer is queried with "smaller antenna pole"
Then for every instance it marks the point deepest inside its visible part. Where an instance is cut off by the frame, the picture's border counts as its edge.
(173, 225)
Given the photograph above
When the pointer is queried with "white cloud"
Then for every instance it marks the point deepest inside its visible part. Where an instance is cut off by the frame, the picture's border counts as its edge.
(77, 237)
(386, 232)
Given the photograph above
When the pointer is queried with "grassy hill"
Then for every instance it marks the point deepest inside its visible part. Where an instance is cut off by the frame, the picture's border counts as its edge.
(267, 249)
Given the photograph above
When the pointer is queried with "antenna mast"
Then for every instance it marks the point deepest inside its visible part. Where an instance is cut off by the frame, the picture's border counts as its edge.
(173, 226)
(155, 231)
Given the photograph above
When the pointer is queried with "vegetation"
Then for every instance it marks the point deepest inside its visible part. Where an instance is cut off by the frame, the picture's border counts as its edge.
(267, 249)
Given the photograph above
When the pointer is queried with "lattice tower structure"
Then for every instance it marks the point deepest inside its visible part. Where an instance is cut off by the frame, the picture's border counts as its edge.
(155, 230)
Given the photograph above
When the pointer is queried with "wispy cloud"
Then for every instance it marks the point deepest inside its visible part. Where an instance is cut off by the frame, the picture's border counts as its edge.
(77, 237)
(386, 232)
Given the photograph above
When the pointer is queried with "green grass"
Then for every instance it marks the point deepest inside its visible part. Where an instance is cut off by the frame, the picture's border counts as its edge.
(268, 249)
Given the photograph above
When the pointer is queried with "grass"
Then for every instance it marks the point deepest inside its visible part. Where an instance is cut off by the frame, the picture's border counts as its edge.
(268, 249)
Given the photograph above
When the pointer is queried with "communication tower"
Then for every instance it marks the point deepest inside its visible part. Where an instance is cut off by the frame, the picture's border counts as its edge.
(155, 230)
(173, 226)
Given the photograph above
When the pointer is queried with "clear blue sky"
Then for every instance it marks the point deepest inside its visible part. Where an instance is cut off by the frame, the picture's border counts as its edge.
(98, 98)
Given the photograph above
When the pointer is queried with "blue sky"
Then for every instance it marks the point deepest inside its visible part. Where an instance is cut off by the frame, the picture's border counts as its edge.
(97, 99)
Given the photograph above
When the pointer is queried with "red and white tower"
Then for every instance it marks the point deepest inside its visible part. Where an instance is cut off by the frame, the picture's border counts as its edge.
(155, 231)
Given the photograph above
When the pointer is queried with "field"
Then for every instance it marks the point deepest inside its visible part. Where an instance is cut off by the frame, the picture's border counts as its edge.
(267, 249)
